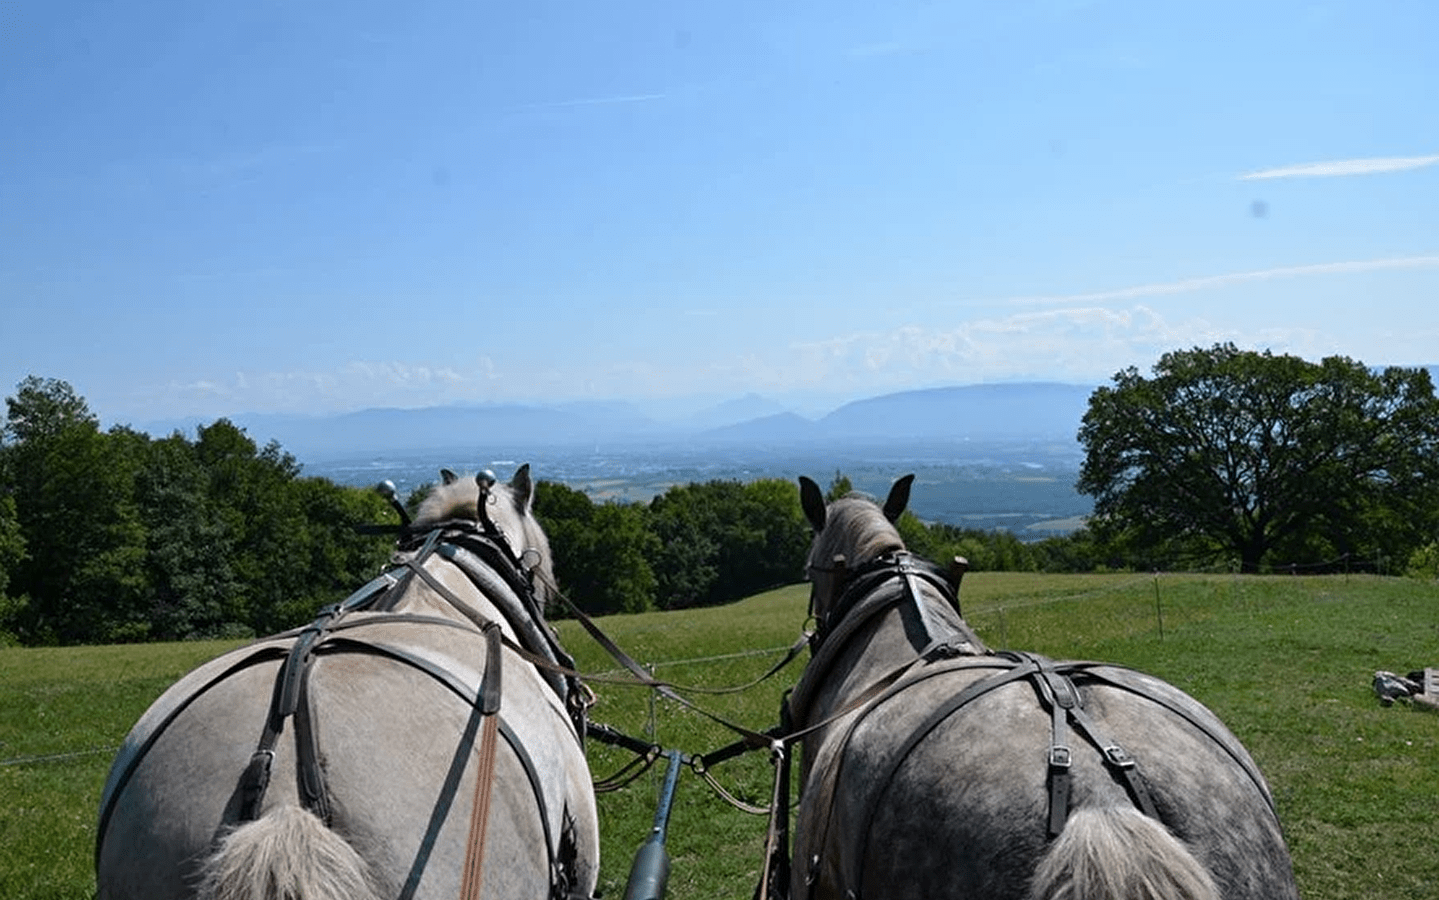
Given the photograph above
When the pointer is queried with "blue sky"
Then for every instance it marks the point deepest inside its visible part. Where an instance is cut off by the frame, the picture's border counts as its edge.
(213, 208)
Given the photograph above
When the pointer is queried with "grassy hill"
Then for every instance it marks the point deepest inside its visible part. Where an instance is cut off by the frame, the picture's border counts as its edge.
(1285, 661)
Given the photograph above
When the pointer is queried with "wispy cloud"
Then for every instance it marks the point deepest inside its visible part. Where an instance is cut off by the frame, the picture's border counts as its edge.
(614, 100)
(1339, 167)
(1080, 344)
(359, 383)
(1208, 282)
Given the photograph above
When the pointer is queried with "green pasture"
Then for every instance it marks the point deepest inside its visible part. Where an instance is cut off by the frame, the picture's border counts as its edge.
(1285, 661)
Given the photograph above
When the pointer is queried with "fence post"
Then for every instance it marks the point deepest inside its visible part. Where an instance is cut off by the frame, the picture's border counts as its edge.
(1158, 610)
(652, 726)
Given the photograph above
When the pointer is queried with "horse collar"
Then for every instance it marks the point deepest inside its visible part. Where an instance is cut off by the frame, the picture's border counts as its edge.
(846, 593)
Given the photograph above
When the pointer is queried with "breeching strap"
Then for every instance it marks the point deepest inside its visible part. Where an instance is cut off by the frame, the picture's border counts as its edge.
(1058, 693)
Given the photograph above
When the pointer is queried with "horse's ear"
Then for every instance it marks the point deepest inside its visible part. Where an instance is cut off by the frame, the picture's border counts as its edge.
(812, 502)
(448, 477)
(522, 489)
(898, 498)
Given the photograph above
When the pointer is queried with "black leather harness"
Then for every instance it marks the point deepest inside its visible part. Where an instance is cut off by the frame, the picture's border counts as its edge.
(484, 556)
(861, 598)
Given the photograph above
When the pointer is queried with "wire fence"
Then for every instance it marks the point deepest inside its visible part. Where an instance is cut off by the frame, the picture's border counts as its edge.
(1000, 612)
(1343, 564)
(56, 757)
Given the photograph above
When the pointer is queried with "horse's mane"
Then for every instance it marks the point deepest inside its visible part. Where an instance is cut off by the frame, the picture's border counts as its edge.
(855, 526)
(457, 500)
(508, 506)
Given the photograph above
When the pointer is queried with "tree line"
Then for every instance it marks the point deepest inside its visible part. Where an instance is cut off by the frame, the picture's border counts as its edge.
(1223, 459)
(115, 536)
(110, 536)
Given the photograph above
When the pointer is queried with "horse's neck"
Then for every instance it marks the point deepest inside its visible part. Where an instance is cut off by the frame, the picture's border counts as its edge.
(421, 598)
(888, 638)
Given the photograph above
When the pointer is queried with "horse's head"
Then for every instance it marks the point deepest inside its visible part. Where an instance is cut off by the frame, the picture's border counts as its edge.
(508, 507)
(854, 526)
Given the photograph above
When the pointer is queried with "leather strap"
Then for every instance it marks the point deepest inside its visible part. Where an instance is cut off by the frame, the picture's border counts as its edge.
(489, 707)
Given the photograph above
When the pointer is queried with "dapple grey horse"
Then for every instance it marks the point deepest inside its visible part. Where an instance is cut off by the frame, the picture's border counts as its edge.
(419, 740)
(939, 769)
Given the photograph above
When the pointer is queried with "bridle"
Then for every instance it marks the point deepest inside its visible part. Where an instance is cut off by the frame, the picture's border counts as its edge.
(842, 599)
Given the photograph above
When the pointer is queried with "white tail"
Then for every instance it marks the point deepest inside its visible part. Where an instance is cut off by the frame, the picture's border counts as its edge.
(1118, 853)
(286, 854)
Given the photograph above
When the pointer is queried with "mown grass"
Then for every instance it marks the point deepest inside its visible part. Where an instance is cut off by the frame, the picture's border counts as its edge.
(1285, 661)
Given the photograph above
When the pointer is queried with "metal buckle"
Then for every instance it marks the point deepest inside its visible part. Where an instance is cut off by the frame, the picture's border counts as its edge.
(946, 650)
(1059, 757)
(1117, 756)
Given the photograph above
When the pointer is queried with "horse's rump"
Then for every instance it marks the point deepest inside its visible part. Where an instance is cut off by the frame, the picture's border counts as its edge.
(392, 711)
(962, 809)
(955, 782)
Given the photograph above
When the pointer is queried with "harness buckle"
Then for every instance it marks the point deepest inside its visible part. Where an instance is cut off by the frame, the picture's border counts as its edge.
(941, 651)
(776, 751)
(1118, 757)
(1059, 757)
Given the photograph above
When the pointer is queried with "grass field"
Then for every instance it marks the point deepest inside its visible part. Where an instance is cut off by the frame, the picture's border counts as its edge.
(1285, 661)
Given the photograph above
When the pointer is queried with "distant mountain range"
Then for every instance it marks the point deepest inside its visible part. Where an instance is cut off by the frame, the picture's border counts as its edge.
(982, 412)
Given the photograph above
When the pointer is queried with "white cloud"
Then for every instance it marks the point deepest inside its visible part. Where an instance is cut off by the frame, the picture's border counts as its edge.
(1340, 167)
(1206, 282)
(355, 384)
(1083, 344)
(1081, 338)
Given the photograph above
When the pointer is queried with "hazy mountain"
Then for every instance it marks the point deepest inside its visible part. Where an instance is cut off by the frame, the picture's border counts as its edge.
(1037, 410)
(444, 427)
(780, 428)
(1021, 411)
(734, 412)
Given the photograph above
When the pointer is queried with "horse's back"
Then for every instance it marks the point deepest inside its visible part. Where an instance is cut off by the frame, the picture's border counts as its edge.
(396, 740)
(963, 810)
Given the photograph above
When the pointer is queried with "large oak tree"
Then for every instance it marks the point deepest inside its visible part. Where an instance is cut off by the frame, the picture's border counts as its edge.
(1244, 455)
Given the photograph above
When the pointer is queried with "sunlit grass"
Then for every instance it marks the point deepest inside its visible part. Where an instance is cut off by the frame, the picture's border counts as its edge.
(1285, 661)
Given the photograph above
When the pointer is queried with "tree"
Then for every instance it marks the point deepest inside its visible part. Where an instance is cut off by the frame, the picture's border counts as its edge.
(73, 487)
(601, 552)
(189, 547)
(723, 540)
(43, 408)
(840, 486)
(12, 552)
(1236, 454)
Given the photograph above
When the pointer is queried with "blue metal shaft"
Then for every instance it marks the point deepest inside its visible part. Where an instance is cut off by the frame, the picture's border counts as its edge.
(649, 875)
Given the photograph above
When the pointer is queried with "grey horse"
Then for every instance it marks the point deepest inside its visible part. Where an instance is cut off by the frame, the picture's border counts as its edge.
(420, 740)
(936, 768)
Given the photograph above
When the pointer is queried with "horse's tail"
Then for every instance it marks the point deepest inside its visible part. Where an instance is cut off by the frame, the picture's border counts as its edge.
(287, 853)
(1119, 853)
